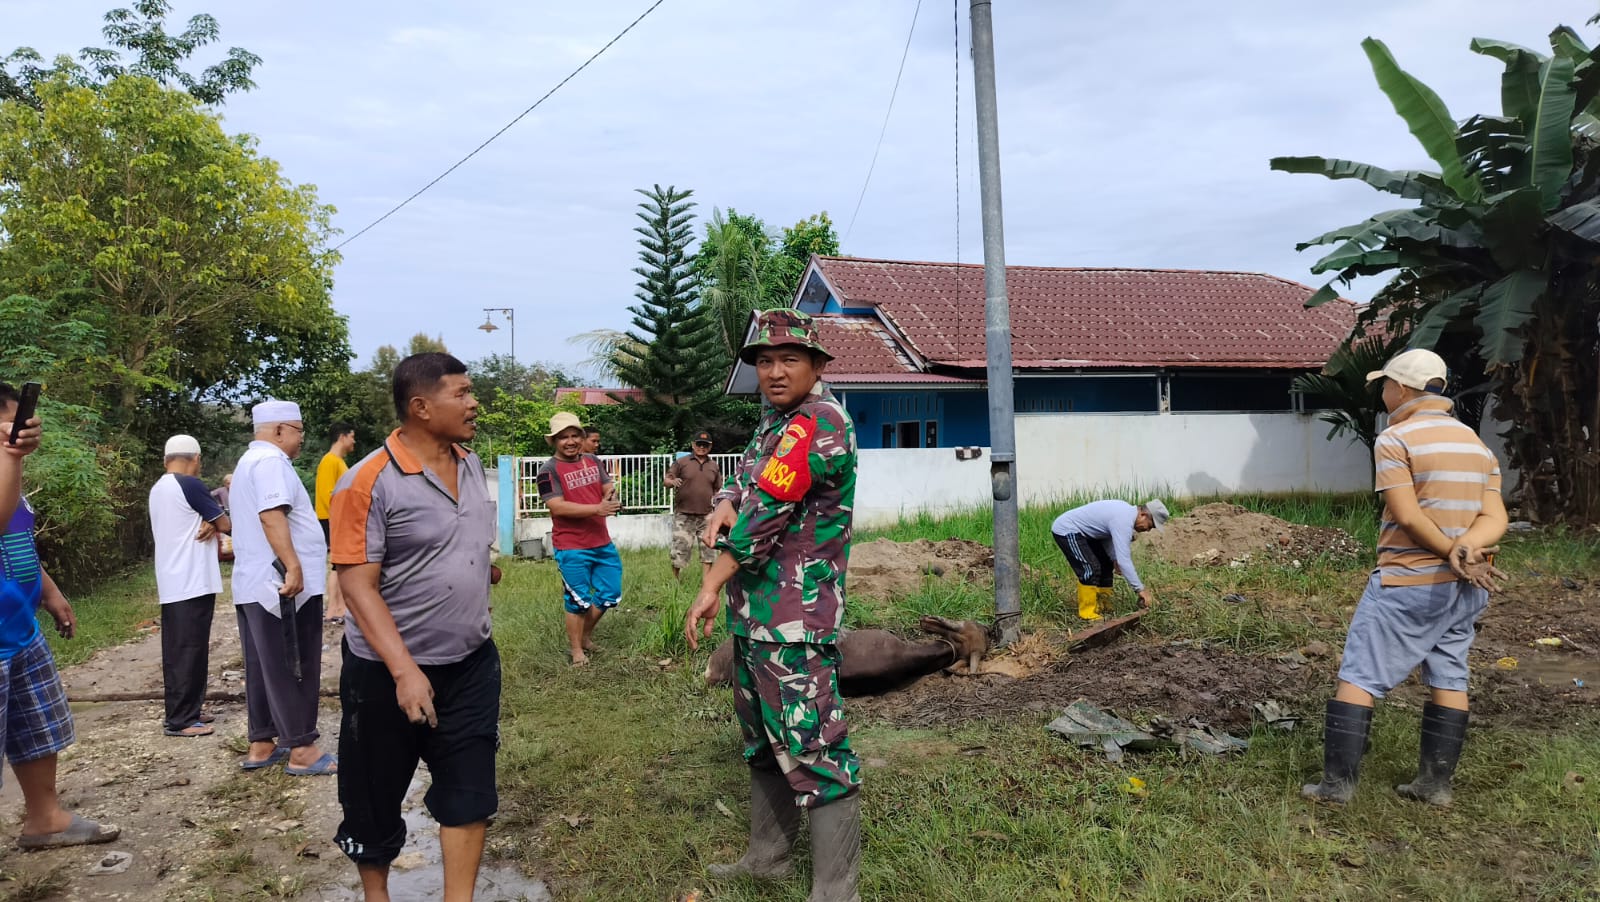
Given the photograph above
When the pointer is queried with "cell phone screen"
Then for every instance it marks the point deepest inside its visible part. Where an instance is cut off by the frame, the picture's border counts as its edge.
(25, 409)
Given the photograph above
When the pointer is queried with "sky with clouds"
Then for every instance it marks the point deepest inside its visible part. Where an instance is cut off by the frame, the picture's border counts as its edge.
(1131, 134)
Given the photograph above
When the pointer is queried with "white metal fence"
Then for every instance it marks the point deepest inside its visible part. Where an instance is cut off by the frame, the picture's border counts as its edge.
(639, 479)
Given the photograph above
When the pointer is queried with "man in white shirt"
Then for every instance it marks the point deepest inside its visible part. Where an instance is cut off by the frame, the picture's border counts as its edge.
(185, 521)
(279, 613)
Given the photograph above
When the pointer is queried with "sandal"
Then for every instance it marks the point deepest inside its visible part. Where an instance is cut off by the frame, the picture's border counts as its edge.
(191, 731)
(327, 764)
(278, 754)
(81, 832)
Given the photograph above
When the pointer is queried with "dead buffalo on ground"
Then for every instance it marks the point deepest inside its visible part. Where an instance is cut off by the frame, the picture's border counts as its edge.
(878, 661)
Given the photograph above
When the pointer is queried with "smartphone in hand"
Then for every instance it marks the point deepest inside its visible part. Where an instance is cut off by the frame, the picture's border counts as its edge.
(26, 406)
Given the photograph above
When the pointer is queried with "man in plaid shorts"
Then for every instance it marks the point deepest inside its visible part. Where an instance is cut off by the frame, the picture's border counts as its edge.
(34, 717)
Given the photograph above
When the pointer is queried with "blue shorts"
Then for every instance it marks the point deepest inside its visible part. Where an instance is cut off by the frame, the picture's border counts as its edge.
(590, 578)
(37, 720)
(1397, 628)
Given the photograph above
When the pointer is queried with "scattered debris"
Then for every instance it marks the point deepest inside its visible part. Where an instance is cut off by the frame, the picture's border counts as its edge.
(1548, 642)
(1088, 726)
(111, 863)
(1317, 648)
(724, 810)
(1275, 716)
(409, 861)
(1235, 598)
(1506, 663)
(1573, 781)
(1570, 584)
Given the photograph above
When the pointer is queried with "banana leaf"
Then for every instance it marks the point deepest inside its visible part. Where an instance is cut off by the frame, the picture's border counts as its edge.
(1507, 306)
(1550, 135)
(1442, 315)
(1581, 220)
(1425, 115)
(1424, 186)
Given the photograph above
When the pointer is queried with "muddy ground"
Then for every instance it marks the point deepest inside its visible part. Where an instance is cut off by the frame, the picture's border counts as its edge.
(1545, 686)
(197, 827)
(1215, 535)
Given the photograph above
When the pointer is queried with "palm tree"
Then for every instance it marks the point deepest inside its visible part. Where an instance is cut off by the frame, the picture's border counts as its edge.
(1499, 248)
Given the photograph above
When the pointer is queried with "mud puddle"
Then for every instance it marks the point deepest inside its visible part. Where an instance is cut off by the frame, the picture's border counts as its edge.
(418, 874)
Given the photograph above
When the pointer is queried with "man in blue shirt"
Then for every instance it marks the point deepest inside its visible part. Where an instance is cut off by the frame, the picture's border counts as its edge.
(37, 724)
(1096, 535)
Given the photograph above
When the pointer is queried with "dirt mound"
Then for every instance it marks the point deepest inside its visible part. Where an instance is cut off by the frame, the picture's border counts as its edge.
(1182, 680)
(885, 569)
(1228, 535)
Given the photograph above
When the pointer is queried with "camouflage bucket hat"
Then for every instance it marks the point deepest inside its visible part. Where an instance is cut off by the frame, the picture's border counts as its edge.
(783, 326)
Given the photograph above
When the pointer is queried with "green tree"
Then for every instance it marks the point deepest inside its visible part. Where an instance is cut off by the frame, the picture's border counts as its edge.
(157, 53)
(672, 339)
(1497, 257)
(130, 210)
(741, 267)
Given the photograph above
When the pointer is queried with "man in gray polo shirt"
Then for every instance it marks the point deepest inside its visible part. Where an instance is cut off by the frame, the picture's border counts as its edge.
(412, 526)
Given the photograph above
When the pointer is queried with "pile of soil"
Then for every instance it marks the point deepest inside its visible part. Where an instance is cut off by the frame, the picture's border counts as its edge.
(1217, 535)
(1181, 680)
(884, 569)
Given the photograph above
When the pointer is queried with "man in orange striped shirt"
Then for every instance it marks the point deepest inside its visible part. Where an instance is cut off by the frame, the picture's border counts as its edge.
(1442, 514)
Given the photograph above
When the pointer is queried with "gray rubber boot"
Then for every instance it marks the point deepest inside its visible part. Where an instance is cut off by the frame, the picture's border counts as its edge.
(774, 824)
(836, 850)
(1444, 732)
(1344, 741)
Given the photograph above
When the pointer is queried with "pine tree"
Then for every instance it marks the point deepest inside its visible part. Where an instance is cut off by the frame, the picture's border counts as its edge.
(673, 351)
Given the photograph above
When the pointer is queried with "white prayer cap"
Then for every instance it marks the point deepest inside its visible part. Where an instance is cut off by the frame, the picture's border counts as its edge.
(182, 444)
(274, 412)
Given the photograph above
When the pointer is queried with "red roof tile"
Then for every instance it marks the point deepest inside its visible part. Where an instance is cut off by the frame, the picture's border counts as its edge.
(1097, 317)
(593, 396)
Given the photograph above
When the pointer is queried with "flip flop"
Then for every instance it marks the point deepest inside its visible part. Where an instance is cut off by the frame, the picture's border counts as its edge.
(192, 731)
(81, 832)
(208, 718)
(278, 754)
(327, 764)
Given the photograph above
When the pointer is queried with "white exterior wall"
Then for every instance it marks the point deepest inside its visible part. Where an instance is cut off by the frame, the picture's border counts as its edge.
(896, 482)
(1184, 455)
(631, 531)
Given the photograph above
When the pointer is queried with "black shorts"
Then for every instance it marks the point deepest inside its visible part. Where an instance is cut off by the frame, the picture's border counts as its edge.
(379, 750)
(1087, 558)
(327, 532)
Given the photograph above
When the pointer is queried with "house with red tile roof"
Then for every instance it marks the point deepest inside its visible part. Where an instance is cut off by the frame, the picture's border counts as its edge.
(909, 355)
(589, 397)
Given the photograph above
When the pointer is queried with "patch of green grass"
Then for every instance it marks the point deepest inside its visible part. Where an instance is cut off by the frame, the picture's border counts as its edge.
(108, 616)
(22, 887)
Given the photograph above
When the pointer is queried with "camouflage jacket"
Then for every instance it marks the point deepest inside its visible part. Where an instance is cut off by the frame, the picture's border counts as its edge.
(795, 489)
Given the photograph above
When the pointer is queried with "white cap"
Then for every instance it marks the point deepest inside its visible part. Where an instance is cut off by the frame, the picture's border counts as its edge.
(1158, 513)
(182, 444)
(274, 412)
(1414, 369)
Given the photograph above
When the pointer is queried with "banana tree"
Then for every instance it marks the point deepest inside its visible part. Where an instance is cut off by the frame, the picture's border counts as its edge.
(1499, 248)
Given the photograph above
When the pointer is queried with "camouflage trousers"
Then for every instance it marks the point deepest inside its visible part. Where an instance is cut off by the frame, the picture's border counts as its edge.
(686, 538)
(792, 717)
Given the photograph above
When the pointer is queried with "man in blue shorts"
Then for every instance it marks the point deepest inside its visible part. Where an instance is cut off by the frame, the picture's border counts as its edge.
(35, 722)
(578, 491)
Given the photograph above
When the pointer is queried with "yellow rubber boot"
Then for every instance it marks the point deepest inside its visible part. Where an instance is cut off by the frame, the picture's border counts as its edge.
(1105, 598)
(1088, 602)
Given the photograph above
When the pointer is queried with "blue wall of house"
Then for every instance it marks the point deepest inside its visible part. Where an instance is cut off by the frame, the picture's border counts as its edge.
(1086, 394)
(930, 419)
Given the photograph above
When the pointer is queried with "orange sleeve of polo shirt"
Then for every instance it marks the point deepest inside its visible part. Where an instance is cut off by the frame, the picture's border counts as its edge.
(355, 539)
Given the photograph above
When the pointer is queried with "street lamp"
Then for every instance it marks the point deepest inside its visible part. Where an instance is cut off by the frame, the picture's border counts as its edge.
(511, 317)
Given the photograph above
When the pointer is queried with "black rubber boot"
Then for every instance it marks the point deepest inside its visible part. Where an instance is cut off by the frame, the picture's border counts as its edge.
(1344, 740)
(1444, 731)
(836, 850)
(774, 824)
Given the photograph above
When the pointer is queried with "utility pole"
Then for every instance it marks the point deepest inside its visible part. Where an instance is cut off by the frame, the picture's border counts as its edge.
(997, 336)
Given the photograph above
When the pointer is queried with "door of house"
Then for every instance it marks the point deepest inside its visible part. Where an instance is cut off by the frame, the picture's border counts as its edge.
(910, 434)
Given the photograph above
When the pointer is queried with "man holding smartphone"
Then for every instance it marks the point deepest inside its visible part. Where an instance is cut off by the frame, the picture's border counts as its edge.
(38, 724)
(279, 608)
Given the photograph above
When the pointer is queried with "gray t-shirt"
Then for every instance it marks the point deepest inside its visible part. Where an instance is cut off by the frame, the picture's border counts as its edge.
(434, 549)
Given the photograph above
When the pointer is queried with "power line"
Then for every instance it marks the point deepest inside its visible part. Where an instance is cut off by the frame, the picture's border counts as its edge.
(520, 116)
(883, 131)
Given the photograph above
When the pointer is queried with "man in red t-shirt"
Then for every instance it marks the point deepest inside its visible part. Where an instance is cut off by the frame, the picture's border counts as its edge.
(578, 491)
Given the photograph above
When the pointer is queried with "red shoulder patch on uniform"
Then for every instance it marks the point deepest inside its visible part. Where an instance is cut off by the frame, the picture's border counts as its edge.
(786, 475)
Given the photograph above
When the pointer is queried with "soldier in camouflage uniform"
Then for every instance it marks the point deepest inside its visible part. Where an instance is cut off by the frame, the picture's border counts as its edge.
(788, 510)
